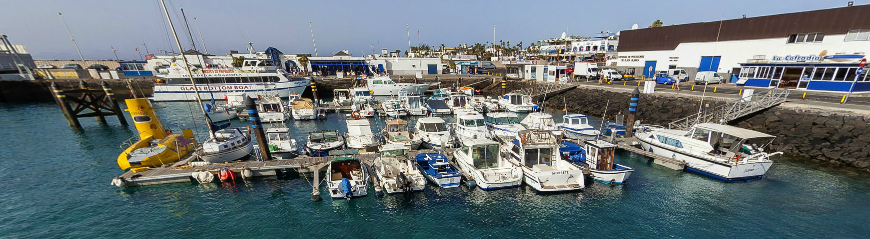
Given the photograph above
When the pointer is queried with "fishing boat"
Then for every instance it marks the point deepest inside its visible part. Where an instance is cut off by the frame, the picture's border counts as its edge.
(362, 109)
(482, 104)
(322, 141)
(481, 159)
(347, 178)
(341, 97)
(518, 103)
(598, 158)
(155, 146)
(536, 152)
(576, 126)
(503, 124)
(433, 132)
(438, 107)
(396, 172)
(541, 121)
(303, 109)
(360, 95)
(412, 104)
(438, 170)
(235, 100)
(469, 126)
(281, 145)
(611, 128)
(384, 86)
(719, 151)
(174, 83)
(271, 109)
(360, 136)
(394, 108)
(396, 132)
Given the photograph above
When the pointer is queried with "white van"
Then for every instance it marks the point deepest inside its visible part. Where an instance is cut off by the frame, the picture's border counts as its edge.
(611, 74)
(678, 74)
(707, 77)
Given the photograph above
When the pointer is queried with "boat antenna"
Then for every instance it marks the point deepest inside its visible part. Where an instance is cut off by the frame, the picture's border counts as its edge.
(189, 72)
(603, 118)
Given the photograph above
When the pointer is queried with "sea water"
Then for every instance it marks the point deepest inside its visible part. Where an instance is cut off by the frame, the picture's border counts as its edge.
(54, 182)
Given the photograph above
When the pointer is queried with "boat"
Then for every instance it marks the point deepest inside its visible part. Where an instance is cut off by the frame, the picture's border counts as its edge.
(363, 109)
(281, 145)
(174, 83)
(361, 95)
(481, 159)
(536, 152)
(271, 109)
(155, 146)
(482, 104)
(458, 103)
(347, 178)
(360, 136)
(303, 109)
(396, 172)
(598, 158)
(438, 170)
(235, 100)
(438, 107)
(227, 145)
(433, 132)
(541, 121)
(396, 132)
(341, 97)
(384, 86)
(440, 94)
(576, 126)
(322, 141)
(518, 103)
(220, 113)
(470, 125)
(503, 124)
(719, 151)
(610, 128)
(394, 108)
(412, 104)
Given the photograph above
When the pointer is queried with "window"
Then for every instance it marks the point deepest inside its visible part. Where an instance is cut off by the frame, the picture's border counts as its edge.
(538, 156)
(819, 72)
(141, 119)
(763, 72)
(777, 73)
(485, 156)
(845, 74)
(858, 35)
(806, 37)
(669, 141)
(747, 72)
(701, 134)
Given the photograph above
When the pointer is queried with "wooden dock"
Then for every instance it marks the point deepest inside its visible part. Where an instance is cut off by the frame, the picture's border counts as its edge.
(629, 144)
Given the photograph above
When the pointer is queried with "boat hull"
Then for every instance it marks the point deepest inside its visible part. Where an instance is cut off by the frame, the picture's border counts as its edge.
(514, 177)
(269, 117)
(185, 92)
(611, 176)
(743, 172)
(444, 182)
(229, 155)
(567, 180)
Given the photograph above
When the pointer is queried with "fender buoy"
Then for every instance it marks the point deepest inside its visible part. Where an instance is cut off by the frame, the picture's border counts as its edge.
(227, 175)
(355, 115)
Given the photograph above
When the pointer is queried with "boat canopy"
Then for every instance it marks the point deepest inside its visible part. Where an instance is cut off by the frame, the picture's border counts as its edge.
(733, 131)
(358, 127)
(303, 104)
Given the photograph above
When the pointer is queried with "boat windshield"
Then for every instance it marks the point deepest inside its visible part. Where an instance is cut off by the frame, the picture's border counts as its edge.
(323, 137)
(397, 127)
(516, 99)
(505, 120)
(363, 93)
(433, 127)
(278, 136)
(414, 102)
(473, 122)
(271, 108)
(539, 156)
(458, 101)
(485, 156)
(394, 153)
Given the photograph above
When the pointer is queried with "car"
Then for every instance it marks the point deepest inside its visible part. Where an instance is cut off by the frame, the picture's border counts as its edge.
(611, 74)
(663, 78)
(98, 67)
(678, 74)
(487, 65)
(71, 66)
(707, 77)
(45, 66)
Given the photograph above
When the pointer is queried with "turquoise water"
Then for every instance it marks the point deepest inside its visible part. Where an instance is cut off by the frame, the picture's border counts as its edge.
(55, 183)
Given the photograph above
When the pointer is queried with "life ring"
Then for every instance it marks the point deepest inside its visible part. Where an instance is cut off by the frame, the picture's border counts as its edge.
(524, 140)
(355, 114)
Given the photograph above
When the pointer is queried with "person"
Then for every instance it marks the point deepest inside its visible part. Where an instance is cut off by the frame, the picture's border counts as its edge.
(677, 84)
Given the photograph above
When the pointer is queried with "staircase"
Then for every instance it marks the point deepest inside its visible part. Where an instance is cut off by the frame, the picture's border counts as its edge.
(734, 109)
(546, 89)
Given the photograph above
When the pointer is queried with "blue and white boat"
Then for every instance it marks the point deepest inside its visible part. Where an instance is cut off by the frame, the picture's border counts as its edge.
(516, 102)
(437, 169)
(598, 158)
(576, 126)
(610, 128)
(321, 142)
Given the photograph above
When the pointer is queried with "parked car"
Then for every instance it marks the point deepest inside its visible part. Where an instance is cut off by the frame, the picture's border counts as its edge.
(71, 66)
(678, 74)
(707, 77)
(487, 65)
(664, 78)
(98, 67)
(45, 66)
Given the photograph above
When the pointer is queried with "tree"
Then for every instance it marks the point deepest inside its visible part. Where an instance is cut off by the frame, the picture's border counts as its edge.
(406, 52)
(304, 62)
(237, 61)
(657, 23)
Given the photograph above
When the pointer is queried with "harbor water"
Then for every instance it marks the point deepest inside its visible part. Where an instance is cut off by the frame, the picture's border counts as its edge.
(55, 183)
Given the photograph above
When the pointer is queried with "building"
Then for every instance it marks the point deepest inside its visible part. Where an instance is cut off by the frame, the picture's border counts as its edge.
(575, 48)
(804, 40)
(15, 62)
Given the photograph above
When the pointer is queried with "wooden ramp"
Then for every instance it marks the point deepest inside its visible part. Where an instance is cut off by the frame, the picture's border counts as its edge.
(629, 144)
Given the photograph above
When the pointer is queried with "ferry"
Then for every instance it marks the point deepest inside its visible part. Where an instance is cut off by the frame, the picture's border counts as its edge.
(174, 85)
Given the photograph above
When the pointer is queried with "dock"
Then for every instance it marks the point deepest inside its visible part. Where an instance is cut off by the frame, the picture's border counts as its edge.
(630, 144)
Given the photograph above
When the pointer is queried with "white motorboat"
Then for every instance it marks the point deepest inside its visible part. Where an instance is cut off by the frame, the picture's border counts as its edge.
(175, 85)
(537, 153)
(597, 157)
(396, 132)
(438, 170)
(396, 172)
(394, 108)
(362, 109)
(341, 97)
(360, 136)
(281, 145)
(541, 121)
(235, 99)
(361, 95)
(481, 159)
(516, 102)
(412, 104)
(503, 124)
(469, 126)
(719, 151)
(220, 113)
(321, 142)
(433, 132)
(347, 177)
(458, 103)
(576, 126)
(271, 109)
(226, 145)
(384, 86)
(303, 109)
(482, 104)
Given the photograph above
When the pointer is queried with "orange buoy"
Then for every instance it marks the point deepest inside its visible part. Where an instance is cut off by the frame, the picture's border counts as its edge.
(227, 175)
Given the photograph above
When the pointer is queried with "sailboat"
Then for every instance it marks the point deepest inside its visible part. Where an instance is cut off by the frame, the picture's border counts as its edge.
(223, 144)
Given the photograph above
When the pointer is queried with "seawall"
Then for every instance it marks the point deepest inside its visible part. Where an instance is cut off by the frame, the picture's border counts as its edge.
(38, 90)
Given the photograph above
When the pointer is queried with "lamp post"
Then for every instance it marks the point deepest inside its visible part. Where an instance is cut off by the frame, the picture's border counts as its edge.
(71, 36)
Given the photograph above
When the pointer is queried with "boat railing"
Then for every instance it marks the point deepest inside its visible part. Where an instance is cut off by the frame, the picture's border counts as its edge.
(130, 141)
(734, 109)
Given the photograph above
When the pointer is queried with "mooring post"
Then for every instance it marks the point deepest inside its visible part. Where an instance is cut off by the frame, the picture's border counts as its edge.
(257, 128)
(91, 103)
(60, 98)
(503, 86)
(632, 110)
(314, 91)
(315, 186)
(110, 97)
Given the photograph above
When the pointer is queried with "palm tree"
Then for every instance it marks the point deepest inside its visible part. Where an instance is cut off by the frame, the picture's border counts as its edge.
(657, 23)
(304, 62)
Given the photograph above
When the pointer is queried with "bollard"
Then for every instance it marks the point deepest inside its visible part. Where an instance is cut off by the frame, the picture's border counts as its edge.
(843, 100)
(804, 96)
(623, 83)
(60, 98)
(740, 92)
(314, 91)
(693, 87)
(638, 83)
(111, 98)
(632, 110)
(714, 88)
(257, 128)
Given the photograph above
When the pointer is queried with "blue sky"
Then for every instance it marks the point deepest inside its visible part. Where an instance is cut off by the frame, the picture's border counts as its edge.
(345, 25)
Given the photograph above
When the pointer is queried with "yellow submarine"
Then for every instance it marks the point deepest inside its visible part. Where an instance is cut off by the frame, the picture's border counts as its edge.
(155, 147)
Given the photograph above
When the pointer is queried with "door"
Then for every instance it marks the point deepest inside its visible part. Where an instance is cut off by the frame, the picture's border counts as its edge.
(649, 69)
(776, 75)
(380, 68)
(433, 69)
(806, 75)
(709, 63)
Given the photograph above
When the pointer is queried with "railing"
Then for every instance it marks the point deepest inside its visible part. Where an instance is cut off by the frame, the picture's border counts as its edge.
(734, 109)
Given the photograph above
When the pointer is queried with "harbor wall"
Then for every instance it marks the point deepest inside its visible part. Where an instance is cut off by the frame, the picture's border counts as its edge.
(820, 134)
(38, 90)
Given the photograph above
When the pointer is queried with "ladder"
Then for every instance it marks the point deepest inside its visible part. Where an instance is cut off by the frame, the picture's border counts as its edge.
(735, 109)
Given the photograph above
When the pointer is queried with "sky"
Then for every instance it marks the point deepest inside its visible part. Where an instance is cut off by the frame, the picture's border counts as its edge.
(99, 25)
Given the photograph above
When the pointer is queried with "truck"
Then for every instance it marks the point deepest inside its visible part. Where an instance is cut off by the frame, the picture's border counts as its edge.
(586, 70)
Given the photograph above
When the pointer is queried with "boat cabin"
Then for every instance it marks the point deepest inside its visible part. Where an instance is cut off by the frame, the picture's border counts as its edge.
(838, 73)
(278, 134)
(394, 150)
(431, 124)
(599, 154)
(484, 153)
(518, 99)
(346, 167)
(575, 119)
(458, 100)
(397, 126)
(502, 118)
(324, 136)
(535, 147)
(726, 140)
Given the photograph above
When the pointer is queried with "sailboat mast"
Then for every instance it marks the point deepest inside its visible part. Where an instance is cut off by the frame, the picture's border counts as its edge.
(189, 72)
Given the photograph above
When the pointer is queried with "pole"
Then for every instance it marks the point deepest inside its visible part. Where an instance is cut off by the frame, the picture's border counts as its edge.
(189, 34)
(116, 54)
(189, 72)
(60, 98)
(409, 39)
(110, 97)
(146, 49)
(632, 111)
(312, 38)
(257, 128)
(201, 40)
(71, 36)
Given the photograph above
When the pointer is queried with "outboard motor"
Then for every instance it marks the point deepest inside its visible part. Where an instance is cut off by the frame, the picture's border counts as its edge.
(403, 182)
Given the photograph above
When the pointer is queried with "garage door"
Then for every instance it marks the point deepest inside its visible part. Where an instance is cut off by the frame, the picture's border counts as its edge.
(709, 63)
(433, 69)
